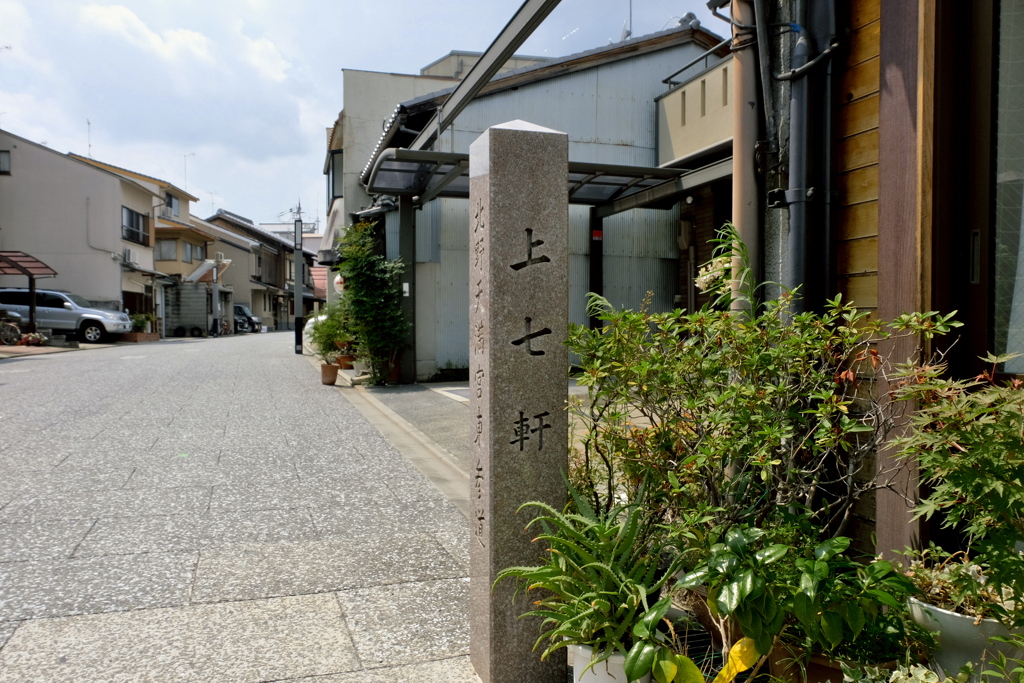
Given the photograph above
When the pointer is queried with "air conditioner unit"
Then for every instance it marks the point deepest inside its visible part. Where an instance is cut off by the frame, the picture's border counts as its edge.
(131, 255)
(218, 256)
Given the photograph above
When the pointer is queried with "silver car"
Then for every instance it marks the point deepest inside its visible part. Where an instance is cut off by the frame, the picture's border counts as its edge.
(66, 312)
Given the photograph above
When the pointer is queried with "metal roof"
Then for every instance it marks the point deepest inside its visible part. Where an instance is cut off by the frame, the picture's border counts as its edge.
(426, 175)
(20, 263)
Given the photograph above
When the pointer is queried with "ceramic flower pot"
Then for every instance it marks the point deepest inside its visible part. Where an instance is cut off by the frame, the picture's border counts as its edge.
(960, 640)
(611, 670)
(329, 373)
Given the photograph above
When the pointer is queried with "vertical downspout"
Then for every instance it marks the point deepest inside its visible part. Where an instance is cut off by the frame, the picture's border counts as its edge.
(798, 194)
(745, 205)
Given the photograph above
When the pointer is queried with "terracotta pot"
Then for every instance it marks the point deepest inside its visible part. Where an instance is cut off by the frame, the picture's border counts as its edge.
(329, 373)
(345, 361)
(790, 663)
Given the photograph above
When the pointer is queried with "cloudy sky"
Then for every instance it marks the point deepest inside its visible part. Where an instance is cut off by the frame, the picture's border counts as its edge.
(230, 99)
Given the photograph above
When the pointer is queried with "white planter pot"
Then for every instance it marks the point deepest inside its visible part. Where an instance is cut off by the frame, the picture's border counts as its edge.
(611, 670)
(960, 641)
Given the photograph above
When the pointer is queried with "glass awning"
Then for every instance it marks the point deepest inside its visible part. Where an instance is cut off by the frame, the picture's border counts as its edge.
(427, 174)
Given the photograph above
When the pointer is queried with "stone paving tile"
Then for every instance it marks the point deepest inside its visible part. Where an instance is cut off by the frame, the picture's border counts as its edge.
(261, 640)
(303, 494)
(449, 526)
(52, 481)
(455, 670)
(409, 622)
(51, 588)
(120, 503)
(46, 540)
(201, 472)
(247, 571)
(179, 533)
(6, 631)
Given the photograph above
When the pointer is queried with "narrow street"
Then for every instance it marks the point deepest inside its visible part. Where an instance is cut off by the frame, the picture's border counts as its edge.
(205, 510)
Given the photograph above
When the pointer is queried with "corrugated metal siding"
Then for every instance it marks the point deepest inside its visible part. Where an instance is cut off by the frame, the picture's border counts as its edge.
(628, 279)
(453, 283)
(610, 116)
(608, 111)
(641, 255)
(391, 235)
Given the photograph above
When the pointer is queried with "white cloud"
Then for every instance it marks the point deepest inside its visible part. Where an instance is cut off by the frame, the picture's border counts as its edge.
(263, 54)
(173, 45)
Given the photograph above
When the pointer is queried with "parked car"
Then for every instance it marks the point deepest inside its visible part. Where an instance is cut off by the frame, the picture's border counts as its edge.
(242, 312)
(65, 312)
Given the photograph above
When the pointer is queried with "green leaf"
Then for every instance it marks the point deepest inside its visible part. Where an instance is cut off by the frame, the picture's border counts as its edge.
(855, 618)
(832, 627)
(688, 671)
(771, 553)
(640, 659)
(730, 597)
(665, 668)
(831, 548)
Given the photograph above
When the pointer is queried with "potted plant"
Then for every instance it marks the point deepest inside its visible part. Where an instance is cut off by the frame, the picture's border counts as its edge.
(738, 415)
(966, 438)
(958, 605)
(805, 606)
(327, 329)
(598, 593)
(372, 300)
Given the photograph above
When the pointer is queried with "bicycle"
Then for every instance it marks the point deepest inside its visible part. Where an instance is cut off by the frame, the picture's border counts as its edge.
(10, 332)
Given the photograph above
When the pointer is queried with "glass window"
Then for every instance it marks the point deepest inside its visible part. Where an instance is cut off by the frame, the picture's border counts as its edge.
(5, 162)
(133, 226)
(186, 252)
(172, 204)
(198, 252)
(166, 250)
(14, 298)
(49, 300)
(1008, 253)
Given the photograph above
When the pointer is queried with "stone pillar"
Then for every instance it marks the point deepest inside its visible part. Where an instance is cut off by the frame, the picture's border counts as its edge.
(518, 379)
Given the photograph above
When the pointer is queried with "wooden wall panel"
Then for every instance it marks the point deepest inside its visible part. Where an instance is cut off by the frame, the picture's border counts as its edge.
(857, 117)
(860, 80)
(857, 221)
(858, 186)
(859, 257)
(864, 44)
(858, 151)
(863, 12)
(862, 290)
(856, 145)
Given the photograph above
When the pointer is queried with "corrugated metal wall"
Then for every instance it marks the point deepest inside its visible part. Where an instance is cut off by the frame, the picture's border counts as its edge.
(610, 116)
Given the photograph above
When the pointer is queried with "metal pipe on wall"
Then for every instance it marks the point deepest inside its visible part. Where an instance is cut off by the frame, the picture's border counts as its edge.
(796, 274)
(745, 205)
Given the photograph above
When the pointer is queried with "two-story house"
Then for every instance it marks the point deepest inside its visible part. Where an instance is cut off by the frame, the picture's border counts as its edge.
(271, 272)
(93, 225)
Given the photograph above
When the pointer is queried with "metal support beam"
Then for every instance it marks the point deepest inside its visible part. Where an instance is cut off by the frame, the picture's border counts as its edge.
(596, 258)
(515, 33)
(447, 180)
(407, 252)
(668, 189)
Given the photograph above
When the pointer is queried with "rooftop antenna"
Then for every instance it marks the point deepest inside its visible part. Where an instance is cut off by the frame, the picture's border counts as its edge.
(184, 182)
(88, 125)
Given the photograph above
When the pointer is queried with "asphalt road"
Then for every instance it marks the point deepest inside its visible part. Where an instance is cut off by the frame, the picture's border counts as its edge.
(205, 510)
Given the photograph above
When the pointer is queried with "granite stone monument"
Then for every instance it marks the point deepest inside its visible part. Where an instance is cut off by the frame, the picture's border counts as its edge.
(518, 368)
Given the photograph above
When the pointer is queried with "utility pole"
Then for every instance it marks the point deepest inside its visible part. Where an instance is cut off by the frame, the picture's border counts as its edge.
(297, 278)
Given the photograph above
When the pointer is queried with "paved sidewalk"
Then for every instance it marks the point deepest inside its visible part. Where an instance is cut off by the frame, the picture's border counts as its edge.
(205, 510)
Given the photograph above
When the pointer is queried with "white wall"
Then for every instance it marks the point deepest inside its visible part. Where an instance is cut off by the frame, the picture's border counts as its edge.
(68, 215)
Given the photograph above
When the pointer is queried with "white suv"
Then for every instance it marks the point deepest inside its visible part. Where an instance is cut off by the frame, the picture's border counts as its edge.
(66, 312)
